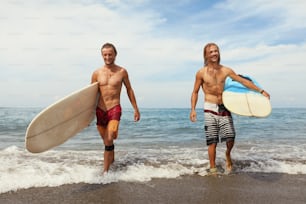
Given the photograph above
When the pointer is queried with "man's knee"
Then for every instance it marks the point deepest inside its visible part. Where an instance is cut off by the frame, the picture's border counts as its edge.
(112, 129)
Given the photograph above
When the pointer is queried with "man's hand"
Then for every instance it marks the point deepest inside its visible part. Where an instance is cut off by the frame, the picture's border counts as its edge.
(266, 94)
(193, 116)
(136, 116)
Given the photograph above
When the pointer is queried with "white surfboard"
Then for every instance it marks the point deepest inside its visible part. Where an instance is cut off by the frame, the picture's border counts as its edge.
(62, 120)
(243, 101)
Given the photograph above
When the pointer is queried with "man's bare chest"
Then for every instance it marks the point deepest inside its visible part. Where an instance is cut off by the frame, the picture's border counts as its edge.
(213, 79)
(110, 80)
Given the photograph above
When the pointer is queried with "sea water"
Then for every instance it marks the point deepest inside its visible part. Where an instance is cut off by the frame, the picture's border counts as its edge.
(163, 144)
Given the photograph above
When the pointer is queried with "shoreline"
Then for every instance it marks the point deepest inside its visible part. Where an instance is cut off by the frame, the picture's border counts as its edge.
(235, 188)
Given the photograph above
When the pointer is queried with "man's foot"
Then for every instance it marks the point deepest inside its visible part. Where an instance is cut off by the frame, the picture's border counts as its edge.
(212, 171)
(105, 173)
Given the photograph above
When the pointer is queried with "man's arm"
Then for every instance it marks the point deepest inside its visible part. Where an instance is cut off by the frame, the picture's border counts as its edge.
(131, 95)
(194, 96)
(94, 77)
(247, 83)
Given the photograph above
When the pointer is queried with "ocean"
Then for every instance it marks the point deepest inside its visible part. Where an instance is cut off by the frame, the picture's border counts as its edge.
(163, 144)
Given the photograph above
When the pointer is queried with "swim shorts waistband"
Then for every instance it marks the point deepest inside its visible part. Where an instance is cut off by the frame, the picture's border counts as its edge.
(216, 109)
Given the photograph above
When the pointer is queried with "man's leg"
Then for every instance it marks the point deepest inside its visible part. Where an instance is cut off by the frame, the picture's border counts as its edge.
(108, 156)
(228, 134)
(229, 164)
(212, 155)
(212, 138)
(107, 144)
(111, 134)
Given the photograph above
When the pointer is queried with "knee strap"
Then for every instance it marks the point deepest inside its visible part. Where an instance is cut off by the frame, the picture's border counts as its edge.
(109, 148)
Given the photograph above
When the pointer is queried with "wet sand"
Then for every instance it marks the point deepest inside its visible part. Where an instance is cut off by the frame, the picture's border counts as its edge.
(237, 188)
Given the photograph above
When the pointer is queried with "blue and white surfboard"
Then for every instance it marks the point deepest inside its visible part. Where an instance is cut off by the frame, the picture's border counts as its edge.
(243, 101)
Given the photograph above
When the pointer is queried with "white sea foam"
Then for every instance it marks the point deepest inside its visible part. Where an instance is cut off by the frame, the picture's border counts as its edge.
(21, 169)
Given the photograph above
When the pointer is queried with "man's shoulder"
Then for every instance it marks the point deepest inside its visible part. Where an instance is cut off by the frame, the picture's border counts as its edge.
(225, 67)
(202, 69)
(226, 70)
(200, 73)
(121, 69)
(96, 71)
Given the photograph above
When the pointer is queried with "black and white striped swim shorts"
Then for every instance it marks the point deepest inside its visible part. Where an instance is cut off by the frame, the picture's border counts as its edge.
(218, 121)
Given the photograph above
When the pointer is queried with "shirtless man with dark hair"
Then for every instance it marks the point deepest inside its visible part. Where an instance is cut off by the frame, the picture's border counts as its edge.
(218, 119)
(108, 112)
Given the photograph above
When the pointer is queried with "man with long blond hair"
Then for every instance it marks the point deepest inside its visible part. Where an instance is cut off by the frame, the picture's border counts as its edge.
(218, 119)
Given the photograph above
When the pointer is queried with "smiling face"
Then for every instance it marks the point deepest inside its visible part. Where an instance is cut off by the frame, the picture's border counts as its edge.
(211, 54)
(108, 55)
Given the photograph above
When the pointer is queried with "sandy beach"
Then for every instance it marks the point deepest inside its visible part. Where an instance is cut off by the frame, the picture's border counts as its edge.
(237, 188)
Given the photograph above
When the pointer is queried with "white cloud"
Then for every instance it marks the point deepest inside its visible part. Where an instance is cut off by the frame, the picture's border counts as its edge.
(50, 48)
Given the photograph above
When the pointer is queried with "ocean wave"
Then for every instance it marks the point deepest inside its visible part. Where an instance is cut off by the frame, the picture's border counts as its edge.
(21, 169)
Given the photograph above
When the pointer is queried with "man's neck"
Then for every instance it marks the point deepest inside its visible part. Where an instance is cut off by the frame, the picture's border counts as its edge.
(110, 66)
(215, 66)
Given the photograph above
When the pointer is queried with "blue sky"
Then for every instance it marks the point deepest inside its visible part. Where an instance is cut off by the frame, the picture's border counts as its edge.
(49, 49)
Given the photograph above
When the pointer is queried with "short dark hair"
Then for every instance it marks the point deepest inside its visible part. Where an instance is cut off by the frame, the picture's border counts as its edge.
(109, 45)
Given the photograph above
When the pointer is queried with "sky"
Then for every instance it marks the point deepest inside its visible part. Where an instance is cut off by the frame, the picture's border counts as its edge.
(50, 48)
